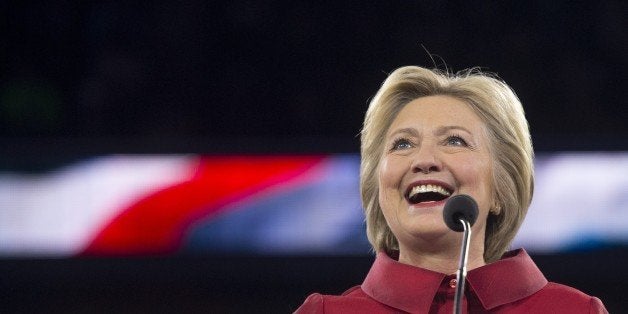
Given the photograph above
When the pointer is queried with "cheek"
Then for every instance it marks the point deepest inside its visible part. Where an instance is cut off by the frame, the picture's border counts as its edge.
(390, 174)
(476, 175)
(391, 171)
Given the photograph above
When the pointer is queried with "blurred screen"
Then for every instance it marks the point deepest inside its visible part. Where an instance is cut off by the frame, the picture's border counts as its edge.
(120, 205)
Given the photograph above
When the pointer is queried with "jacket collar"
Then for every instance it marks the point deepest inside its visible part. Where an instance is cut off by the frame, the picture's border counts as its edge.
(412, 289)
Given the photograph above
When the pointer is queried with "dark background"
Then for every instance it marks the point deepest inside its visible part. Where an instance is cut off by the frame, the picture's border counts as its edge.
(82, 78)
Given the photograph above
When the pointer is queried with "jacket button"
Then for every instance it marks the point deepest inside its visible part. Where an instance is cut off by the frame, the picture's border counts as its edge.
(452, 283)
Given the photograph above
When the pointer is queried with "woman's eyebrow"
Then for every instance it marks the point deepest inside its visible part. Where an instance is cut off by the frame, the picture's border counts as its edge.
(444, 129)
(409, 131)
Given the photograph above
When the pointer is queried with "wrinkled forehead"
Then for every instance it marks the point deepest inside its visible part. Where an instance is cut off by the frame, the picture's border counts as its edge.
(429, 113)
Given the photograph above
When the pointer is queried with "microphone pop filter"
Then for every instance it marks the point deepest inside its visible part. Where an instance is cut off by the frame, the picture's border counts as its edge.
(457, 207)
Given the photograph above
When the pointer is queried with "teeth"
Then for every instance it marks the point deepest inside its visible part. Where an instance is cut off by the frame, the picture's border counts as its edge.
(424, 188)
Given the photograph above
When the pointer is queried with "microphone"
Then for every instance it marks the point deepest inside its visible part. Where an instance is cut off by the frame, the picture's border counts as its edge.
(460, 207)
(460, 213)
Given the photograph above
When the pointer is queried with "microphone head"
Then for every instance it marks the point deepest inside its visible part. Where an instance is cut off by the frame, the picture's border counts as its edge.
(457, 207)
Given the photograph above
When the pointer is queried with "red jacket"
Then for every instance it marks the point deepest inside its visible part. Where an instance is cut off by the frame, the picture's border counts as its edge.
(511, 285)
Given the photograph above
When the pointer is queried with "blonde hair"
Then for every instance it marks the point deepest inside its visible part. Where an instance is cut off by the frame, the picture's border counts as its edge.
(511, 148)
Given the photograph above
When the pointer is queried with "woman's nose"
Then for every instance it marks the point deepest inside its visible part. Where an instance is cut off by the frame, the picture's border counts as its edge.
(425, 161)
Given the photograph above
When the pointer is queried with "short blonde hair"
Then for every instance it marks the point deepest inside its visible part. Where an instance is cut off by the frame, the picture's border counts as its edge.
(511, 148)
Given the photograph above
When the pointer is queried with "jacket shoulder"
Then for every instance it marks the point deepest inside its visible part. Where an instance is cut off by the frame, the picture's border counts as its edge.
(557, 298)
(354, 300)
(575, 296)
(313, 304)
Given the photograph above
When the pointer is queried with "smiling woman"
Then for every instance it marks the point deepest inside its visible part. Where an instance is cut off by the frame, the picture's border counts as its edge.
(428, 136)
(446, 149)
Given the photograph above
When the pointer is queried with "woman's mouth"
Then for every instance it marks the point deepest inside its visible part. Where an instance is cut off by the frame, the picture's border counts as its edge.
(427, 193)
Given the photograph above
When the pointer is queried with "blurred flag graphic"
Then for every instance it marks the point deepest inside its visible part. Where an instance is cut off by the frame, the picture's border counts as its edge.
(121, 205)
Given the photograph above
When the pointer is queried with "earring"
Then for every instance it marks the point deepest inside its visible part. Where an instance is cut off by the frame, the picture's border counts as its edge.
(496, 209)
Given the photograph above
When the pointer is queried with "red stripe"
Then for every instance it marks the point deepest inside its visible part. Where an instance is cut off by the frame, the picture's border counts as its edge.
(157, 223)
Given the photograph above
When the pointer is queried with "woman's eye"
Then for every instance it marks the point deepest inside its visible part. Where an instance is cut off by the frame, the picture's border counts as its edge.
(401, 144)
(456, 141)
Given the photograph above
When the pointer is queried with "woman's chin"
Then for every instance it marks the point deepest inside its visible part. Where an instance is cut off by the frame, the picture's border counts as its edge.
(427, 231)
(423, 217)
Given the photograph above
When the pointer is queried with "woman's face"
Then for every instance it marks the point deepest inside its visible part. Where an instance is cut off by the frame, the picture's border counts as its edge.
(435, 148)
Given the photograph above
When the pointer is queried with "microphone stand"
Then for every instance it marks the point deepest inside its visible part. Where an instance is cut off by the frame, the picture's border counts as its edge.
(461, 275)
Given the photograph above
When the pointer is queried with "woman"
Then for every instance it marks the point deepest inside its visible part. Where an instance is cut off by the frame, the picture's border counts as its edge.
(428, 136)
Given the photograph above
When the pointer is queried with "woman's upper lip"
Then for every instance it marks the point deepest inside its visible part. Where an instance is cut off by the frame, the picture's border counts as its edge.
(442, 184)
